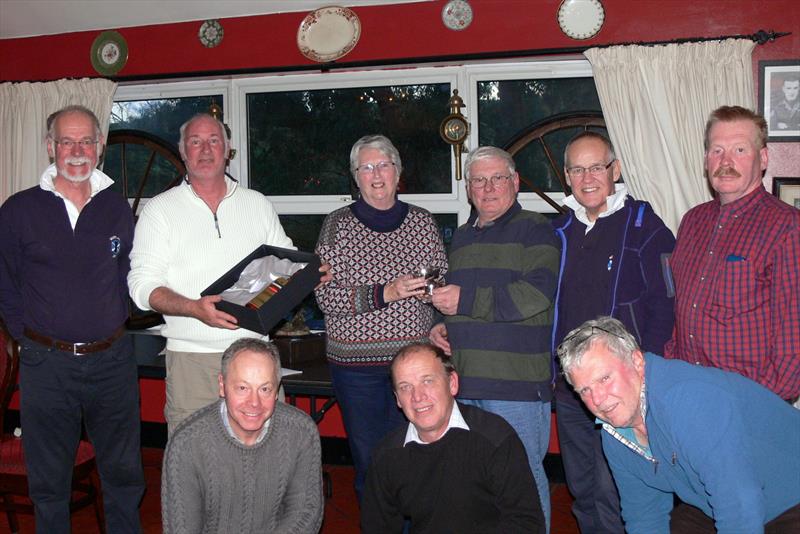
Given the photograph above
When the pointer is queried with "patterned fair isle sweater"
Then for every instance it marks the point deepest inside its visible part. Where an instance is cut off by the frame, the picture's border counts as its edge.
(362, 329)
(211, 483)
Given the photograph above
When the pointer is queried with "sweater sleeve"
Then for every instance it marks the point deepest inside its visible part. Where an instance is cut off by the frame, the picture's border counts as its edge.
(149, 257)
(659, 299)
(10, 249)
(337, 297)
(526, 295)
(379, 514)
(181, 494)
(515, 490)
(302, 506)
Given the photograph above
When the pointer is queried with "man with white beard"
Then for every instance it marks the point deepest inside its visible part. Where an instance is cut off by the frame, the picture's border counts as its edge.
(64, 248)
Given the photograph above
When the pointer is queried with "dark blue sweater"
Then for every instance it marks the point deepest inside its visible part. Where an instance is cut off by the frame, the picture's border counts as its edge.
(617, 269)
(70, 285)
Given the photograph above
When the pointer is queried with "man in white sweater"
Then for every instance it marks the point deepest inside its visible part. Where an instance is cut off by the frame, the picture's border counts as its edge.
(246, 463)
(186, 238)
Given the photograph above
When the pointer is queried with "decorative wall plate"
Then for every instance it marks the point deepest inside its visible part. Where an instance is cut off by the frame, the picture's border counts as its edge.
(328, 33)
(109, 53)
(457, 14)
(581, 19)
(211, 33)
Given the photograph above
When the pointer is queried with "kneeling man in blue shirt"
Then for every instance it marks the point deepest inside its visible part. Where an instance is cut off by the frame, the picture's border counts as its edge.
(720, 442)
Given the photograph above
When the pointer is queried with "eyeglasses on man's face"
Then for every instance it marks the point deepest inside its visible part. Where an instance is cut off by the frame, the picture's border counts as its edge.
(586, 334)
(69, 144)
(369, 168)
(594, 170)
(479, 182)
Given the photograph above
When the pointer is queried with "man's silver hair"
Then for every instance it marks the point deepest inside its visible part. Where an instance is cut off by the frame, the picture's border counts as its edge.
(488, 152)
(265, 348)
(590, 134)
(378, 142)
(606, 330)
(203, 115)
(75, 108)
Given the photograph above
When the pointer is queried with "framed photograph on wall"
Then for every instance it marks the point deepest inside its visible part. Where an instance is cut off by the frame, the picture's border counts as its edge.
(787, 189)
(779, 90)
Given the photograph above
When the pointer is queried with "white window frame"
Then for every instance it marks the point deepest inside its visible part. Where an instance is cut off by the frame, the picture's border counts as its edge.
(311, 204)
(465, 78)
(539, 70)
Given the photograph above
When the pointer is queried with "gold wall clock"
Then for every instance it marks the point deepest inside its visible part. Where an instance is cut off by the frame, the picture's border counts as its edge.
(109, 53)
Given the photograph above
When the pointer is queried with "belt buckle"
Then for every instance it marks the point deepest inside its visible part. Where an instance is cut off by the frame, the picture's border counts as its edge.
(76, 346)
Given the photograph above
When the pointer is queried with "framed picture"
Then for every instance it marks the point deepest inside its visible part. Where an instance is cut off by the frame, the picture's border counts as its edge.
(787, 189)
(779, 87)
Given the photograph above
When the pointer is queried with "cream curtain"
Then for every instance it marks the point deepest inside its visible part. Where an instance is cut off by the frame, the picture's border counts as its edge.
(24, 108)
(656, 101)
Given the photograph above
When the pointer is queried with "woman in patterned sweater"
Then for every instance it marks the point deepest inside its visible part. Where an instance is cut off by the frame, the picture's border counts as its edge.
(374, 305)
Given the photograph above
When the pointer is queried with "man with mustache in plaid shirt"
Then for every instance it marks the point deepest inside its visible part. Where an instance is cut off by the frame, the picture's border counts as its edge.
(736, 264)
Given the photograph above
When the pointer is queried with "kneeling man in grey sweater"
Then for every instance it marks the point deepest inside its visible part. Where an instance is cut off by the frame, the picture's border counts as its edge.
(246, 463)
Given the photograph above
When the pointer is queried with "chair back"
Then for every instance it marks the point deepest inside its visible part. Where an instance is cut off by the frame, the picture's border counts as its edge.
(9, 367)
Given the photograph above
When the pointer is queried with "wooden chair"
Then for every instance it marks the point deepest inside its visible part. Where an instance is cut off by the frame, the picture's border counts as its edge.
(13, 474)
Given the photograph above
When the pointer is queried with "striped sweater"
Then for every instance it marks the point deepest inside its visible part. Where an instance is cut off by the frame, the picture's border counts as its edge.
(500, 336)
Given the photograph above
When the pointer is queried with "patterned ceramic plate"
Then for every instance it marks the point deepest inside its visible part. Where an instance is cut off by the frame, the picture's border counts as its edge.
(328, 33)
(211, 33)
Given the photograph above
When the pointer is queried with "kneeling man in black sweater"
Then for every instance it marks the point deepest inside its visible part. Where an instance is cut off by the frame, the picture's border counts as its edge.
(455, 468)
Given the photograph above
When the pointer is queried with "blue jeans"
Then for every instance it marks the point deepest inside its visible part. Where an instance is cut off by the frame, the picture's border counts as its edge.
(531, 420)
(58, 389)
(369, 412)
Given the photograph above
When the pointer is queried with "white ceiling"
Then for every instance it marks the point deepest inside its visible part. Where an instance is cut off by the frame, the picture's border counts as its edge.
(27, 18)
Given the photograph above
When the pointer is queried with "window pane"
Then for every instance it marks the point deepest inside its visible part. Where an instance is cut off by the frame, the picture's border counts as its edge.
(299, 141)
(161, 118)
(509, 108)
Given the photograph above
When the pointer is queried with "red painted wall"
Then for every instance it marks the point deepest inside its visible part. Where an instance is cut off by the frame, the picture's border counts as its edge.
(401, 31)
(395, 32)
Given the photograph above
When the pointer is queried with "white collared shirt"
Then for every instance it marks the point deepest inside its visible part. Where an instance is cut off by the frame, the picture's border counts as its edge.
(223, 412)
(98, 181)
(456, 421)
(614, 203)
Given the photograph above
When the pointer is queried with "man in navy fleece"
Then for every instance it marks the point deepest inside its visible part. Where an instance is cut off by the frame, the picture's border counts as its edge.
(64, 248)
(613, 259)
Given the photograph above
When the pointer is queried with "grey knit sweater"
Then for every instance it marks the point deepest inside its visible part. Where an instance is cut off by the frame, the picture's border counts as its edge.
(211, 483)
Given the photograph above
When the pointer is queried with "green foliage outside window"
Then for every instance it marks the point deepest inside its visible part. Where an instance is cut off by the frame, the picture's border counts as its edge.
(299, 141)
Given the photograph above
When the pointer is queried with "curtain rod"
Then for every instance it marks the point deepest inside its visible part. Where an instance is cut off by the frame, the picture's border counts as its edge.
(760, 37)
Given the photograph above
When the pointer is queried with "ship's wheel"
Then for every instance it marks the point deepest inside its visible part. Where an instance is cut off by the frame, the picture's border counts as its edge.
(540, 136)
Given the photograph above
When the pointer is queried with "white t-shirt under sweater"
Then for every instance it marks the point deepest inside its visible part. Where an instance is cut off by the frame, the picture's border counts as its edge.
(179, 244)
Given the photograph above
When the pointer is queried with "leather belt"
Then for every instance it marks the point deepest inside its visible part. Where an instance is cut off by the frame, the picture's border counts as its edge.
(75, 348)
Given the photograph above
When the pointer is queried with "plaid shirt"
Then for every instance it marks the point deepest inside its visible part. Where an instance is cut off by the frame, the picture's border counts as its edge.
(737, 279)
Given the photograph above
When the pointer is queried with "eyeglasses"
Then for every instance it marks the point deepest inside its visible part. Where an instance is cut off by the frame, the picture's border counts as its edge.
(594, 170)
(583, 333)
(479, 182)
(69, 143)
(196, 142)
(369, 168)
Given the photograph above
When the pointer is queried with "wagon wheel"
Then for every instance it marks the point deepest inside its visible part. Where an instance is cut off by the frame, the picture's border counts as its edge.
(538, 133)
(144, 164)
